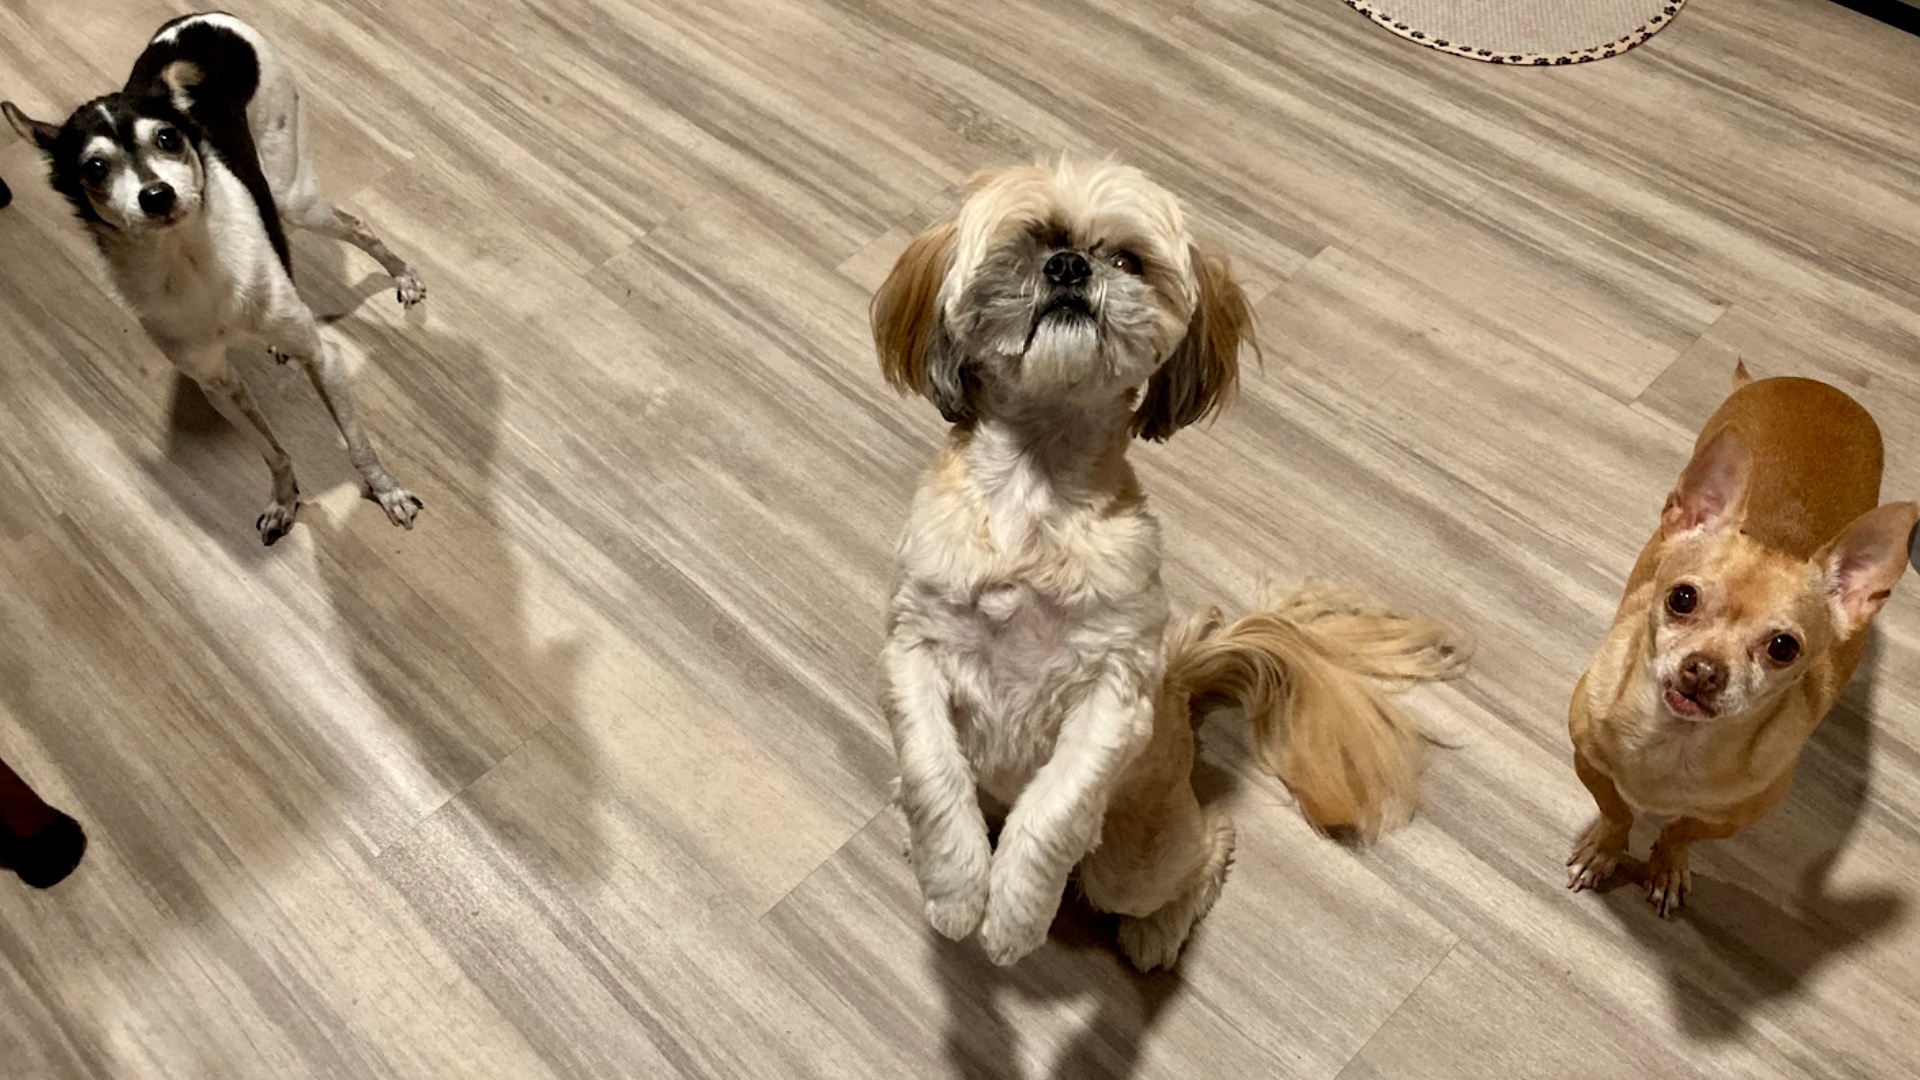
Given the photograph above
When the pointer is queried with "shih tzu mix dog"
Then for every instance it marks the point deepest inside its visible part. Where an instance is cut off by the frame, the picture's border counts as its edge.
(187, 179)
(1028, 665)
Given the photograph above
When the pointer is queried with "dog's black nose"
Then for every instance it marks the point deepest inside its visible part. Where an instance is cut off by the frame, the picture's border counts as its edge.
(1701, 677)
(156, 199)
(1068, 268)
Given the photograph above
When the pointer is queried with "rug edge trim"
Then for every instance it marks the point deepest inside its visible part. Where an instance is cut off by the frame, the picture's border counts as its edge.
(1669, 12)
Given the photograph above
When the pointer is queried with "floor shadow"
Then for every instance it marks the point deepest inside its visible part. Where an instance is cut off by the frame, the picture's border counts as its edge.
(199, 447)
(442, 636)
(1738, 946)
(1079, 962)
(435, 620)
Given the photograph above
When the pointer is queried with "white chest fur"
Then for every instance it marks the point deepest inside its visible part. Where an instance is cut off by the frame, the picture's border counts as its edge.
(1670, 767)
(208, 281)
(1026, 603)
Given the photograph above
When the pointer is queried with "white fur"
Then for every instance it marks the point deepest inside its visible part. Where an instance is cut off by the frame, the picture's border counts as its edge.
(1028, 661)
(1037, 688)
(209, 279)
(1025, 649)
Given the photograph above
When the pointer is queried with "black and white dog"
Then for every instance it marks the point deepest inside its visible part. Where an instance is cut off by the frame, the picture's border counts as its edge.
(186, 179)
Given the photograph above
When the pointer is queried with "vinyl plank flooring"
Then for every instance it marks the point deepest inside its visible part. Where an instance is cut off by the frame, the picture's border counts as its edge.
(1474, 1017)
(584, 777)
(236, 899)
(1286, 984)
(613, 952)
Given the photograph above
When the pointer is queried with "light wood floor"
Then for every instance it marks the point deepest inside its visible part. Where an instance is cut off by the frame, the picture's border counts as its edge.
(583, 777)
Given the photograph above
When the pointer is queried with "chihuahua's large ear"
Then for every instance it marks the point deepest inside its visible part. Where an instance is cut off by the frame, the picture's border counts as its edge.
(909, 331)
(1864, 562)
(1201, 374)
(1712, 490)
(37, 132)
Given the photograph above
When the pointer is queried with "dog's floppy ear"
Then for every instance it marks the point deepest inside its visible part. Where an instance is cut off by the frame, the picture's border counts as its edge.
(909, 331)
(38, 132)
(1712, 490)
(1864, 562)
(1201, 374)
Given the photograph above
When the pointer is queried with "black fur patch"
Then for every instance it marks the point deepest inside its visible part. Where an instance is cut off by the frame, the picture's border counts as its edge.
(111, 118)
(215, 122)
(229, 74)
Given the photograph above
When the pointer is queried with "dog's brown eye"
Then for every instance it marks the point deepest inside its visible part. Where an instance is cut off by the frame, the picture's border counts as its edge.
(93, 170)
(168, 140)
(1783, 649)
(1682, 600)
(1126, 261)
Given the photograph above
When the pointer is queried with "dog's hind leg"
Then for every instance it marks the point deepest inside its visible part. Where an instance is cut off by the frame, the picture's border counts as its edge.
(1160, 865)
(229, 394)
(300, 339)
(323, 217)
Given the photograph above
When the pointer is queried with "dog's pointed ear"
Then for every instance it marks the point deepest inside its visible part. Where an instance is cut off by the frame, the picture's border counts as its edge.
(909, 331)
(38, 132)
(1865, 561)
(1741, 376)
(1201, 374)
(1712, 490)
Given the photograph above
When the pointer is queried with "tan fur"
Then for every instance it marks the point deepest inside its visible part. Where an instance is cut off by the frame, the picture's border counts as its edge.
(903, 310)
(1310, 675)
(1201, 376)
(1774, 523)
(1027, 659)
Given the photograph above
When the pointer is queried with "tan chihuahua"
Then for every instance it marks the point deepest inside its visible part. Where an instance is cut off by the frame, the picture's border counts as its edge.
(1742, 622)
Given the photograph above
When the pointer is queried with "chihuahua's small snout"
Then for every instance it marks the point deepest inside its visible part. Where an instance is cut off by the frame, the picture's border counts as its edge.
(157, 199)
(1068, 268)
(1700, 677)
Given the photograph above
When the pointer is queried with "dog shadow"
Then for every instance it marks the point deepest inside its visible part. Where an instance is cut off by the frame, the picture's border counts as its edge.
(1080, 960)
(435, 620)
(1732, 950)
(199, 447)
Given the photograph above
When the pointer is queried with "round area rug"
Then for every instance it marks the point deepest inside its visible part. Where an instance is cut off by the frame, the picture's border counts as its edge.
(1540, 33)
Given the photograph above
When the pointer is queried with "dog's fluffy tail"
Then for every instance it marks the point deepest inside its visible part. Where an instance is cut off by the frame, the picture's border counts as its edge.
(1313, 673)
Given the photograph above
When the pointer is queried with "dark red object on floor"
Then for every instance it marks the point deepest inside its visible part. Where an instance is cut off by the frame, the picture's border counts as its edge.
(37, 842)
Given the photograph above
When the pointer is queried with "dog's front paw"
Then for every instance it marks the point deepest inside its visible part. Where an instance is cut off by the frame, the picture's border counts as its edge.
(408, 289)
(956, 915)
(1020, 908)
(401, 505)
(1668, 881)
(1008, 934)
(954, 887)
(276, 520)
(1595, 857)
